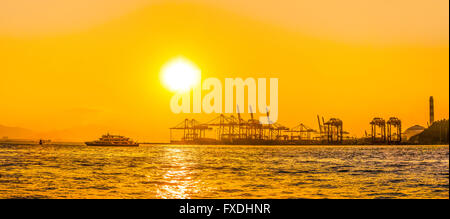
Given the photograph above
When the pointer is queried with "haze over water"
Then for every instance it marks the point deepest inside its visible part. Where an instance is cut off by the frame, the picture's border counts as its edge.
(171, 171)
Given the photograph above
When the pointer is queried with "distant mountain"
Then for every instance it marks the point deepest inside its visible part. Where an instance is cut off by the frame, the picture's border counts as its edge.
(77, 134)
(17, 133)
(73, 134)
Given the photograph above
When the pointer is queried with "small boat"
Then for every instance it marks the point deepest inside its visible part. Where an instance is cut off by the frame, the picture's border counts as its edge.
(113, 140)
(44, 141)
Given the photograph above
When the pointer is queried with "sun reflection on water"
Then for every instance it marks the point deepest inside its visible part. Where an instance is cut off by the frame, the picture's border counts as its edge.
(177, 180)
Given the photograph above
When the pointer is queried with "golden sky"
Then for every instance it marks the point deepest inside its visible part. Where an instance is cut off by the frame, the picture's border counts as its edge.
(78, 68)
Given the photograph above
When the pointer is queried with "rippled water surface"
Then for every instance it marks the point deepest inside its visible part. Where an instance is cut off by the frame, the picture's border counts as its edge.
(167, 171)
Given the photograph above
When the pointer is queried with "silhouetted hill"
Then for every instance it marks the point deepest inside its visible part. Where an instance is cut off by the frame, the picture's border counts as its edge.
(16, 132)
(437, 133)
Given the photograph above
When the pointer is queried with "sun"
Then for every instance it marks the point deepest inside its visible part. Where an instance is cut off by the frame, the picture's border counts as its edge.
(180, 75)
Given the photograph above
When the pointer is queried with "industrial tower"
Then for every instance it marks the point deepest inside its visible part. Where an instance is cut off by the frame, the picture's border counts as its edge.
(431, 111)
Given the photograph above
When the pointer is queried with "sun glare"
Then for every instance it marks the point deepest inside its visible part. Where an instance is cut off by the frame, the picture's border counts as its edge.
(180, 75)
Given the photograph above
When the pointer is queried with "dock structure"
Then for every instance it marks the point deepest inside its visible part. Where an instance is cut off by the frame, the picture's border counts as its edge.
(231, 129)
(394, 130)
(334, 131)
(192, 130)
(301, 132)
(228, 128)
(378, 130)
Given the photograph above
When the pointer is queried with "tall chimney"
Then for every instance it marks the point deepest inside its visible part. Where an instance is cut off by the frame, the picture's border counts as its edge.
(431, 110)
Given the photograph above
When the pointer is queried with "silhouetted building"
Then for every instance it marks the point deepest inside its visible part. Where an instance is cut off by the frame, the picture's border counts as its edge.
(412, 131)
(437, 133)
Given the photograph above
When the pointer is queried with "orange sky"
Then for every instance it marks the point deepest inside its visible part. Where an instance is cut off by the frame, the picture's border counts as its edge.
(78, 68)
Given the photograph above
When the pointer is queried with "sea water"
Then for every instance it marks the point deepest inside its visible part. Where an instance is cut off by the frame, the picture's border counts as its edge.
(186, 171)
